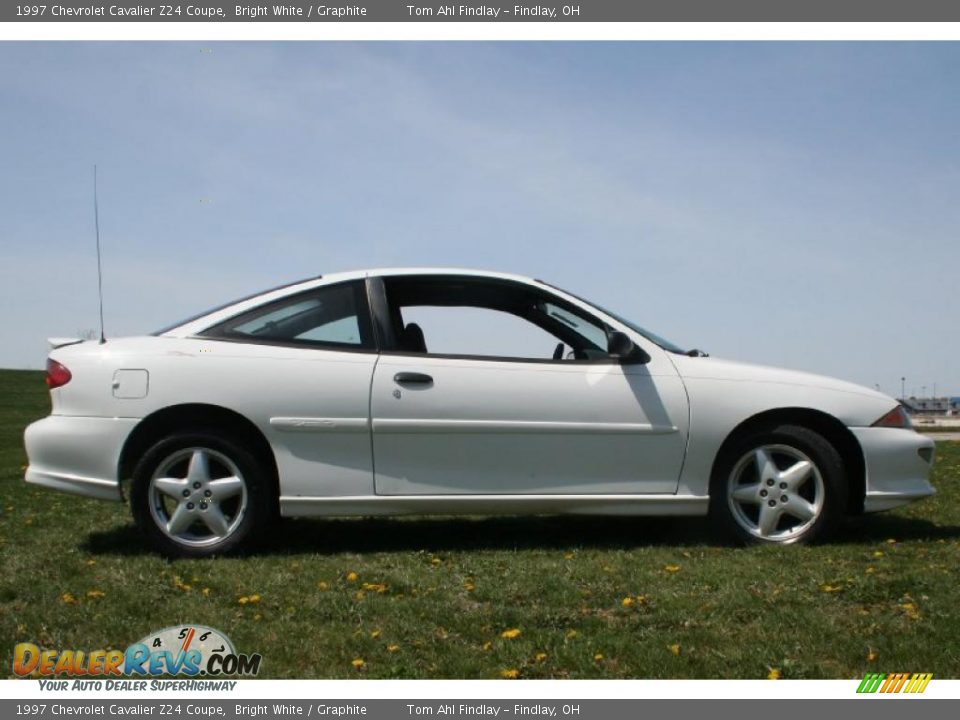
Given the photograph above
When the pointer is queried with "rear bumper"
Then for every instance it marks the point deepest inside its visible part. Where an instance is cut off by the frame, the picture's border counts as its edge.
(898, 464)
(78, 455)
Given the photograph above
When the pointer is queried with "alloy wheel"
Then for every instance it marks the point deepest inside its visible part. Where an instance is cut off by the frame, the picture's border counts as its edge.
(775, 493)
(197, 496)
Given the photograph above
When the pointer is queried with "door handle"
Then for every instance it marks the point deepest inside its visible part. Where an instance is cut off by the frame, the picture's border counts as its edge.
(412, 378)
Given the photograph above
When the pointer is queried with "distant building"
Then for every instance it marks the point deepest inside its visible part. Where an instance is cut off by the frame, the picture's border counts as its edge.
(932, 406)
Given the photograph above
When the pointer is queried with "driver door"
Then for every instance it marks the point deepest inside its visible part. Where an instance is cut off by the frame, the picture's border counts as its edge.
(462, 420)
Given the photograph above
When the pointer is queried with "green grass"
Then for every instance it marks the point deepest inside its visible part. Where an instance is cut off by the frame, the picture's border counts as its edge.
(883, 597)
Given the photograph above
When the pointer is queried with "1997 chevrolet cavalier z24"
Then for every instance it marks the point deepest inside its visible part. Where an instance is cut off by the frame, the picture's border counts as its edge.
(349, 395)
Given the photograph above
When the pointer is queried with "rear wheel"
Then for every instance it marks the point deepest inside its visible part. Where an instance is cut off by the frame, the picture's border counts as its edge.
(778, 486)
(198, 494)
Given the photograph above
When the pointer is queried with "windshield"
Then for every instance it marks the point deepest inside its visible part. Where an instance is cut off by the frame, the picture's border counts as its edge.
(652, 337)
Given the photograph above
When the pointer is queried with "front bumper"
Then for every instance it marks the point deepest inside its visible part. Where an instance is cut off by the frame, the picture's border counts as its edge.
(79, 455)
(898, 466)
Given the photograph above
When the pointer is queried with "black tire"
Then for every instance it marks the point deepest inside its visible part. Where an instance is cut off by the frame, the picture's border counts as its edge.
(786, 446)
(250, 507)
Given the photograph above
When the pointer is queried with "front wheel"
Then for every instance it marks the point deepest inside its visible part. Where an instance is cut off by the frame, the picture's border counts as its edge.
(778, 486)
(198, 494)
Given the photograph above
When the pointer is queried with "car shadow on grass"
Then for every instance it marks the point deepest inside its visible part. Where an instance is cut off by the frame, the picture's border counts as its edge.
(443, 534)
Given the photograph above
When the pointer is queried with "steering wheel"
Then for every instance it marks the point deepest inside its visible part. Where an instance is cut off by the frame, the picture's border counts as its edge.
(558, 352)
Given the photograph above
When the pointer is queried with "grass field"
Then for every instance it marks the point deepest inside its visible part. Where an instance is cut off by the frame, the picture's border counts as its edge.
(485, 598)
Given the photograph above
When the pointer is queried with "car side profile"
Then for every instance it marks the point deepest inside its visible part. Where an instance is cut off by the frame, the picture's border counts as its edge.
(421, 391)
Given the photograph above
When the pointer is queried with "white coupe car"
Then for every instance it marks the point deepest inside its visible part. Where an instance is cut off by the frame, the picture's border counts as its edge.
(452, 391)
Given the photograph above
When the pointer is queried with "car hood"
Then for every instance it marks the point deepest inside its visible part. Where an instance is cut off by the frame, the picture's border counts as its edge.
(711, 368)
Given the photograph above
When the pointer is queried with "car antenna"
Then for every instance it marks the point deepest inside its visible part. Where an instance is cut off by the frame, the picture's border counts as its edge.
(96, 224)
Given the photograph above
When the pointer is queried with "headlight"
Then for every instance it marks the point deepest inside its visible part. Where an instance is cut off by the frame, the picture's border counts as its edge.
(896, 418)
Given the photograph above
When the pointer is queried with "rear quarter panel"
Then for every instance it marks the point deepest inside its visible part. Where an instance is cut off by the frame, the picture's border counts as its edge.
(259, 382)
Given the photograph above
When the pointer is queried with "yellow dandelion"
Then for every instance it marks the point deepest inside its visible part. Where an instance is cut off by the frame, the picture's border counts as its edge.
(254, 598)
(774, 674)
(571, 634)
(872, 656)
(511, 674)
(352, 576)
(641, 599)
(95, 594)
(870, 570)
(488, 645)
(375, 634)
(205, 592)
(510, 634)
(568, 556)
(674, 649)
(91, 561)
(243, 600)
(322, 586)
(375, 587)
(910, 610)
(359, 595)
(540, 657)
(69, 599)
(469, 586)
(827, 588)
(358, 663)
(258, 617)
(435, 561)
(392, 648)
(878, 553)
(671, 568)
(598, 657)
(627, 601)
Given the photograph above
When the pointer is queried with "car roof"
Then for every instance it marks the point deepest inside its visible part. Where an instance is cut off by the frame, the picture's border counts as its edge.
(393, 271)
(211, 317)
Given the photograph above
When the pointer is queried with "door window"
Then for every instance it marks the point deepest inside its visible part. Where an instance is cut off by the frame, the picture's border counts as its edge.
(490, 318)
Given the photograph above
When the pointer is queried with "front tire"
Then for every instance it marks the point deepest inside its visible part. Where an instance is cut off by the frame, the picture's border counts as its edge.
(778, 486)
(197, 494)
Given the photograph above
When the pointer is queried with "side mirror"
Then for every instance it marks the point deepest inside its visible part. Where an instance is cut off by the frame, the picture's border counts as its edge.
(620, 346)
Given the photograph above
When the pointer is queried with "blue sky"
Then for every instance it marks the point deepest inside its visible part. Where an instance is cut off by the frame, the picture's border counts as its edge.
(796, 204)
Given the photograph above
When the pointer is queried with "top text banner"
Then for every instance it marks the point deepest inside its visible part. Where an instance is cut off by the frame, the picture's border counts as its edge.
(412, 11)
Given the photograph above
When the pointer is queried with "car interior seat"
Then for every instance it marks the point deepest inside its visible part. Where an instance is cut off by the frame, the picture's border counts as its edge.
(412, 340)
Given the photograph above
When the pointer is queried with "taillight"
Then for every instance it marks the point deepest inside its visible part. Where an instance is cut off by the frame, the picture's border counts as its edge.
(57, 374)
(896, 418)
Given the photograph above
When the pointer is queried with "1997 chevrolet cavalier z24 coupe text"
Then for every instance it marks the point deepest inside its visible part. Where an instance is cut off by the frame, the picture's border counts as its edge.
(332, 397)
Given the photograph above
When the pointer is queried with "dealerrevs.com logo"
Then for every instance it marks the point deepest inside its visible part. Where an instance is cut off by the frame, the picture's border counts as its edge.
(181, 650)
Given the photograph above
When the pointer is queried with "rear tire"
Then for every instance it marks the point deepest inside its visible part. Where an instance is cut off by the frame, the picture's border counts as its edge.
(778, 486)
(198, 494)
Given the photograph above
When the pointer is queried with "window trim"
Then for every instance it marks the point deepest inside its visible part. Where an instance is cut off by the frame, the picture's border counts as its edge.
(384, 312)
(365, 322)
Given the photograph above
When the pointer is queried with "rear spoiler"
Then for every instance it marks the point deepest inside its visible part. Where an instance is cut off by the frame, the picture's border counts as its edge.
(63, 342)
